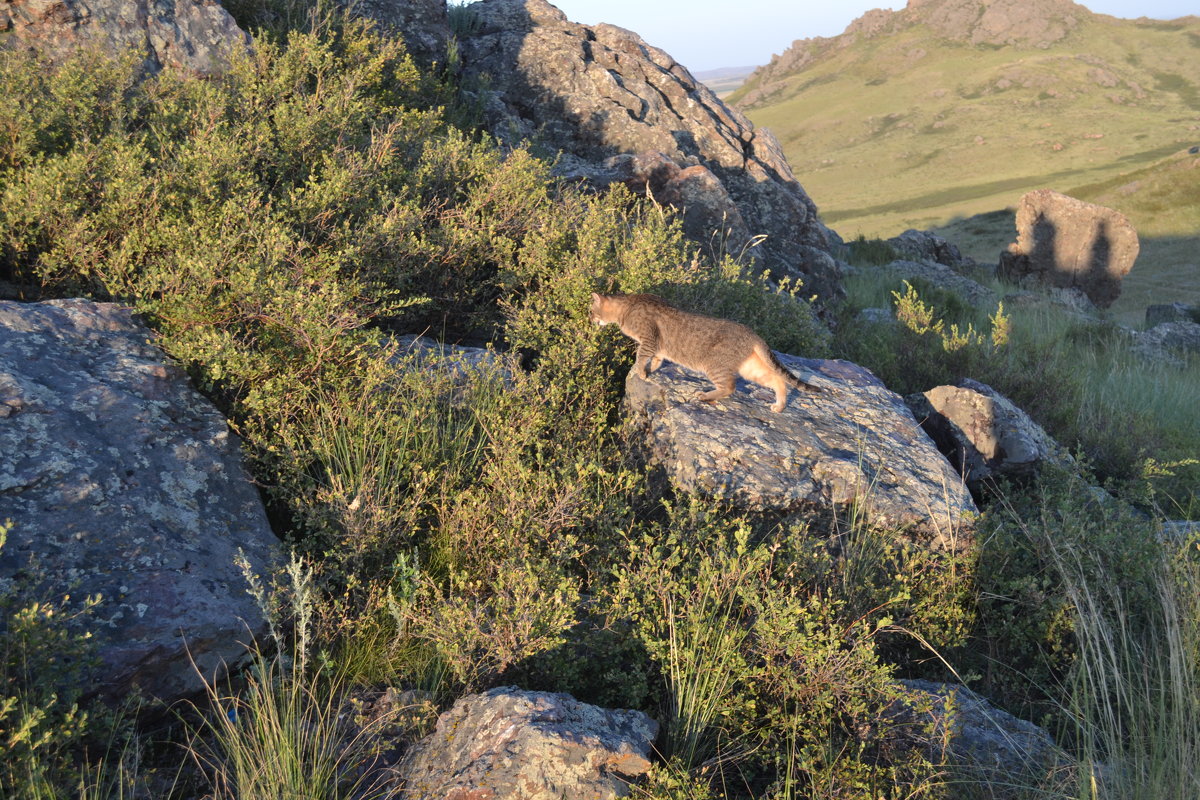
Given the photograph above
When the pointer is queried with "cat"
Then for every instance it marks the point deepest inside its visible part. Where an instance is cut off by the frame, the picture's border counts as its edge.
(720, 348)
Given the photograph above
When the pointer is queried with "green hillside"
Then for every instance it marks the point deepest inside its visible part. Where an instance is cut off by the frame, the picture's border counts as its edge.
(897, 123)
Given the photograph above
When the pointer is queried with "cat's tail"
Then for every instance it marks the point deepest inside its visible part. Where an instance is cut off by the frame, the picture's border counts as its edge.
(791, 377)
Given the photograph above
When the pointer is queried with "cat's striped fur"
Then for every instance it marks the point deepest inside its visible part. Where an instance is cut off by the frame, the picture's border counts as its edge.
(720, 348)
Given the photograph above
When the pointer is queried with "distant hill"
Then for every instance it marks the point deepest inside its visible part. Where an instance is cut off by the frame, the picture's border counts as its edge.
(724, 80)
(957, 107)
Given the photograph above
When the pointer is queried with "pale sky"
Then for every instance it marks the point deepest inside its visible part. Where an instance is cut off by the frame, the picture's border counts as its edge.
(706, 34)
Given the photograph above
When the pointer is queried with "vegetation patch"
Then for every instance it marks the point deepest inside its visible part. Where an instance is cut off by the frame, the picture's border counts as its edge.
(454, 528)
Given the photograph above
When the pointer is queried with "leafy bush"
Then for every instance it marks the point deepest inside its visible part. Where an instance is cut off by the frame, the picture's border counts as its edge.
(765, 667)
(1086, 624)
(1026, 635)
(933, 344)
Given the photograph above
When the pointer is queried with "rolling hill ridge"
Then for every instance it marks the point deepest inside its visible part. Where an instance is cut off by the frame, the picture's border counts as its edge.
(949, 108)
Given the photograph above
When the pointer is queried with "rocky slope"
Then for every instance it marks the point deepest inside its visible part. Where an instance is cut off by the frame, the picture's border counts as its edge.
(194, 35)
(619, 109)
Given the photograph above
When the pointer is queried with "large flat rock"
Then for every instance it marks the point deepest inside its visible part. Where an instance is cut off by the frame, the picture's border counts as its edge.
(853, 442)
(122, 481)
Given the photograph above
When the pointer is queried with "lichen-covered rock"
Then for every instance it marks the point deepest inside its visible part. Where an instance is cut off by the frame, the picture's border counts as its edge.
(598, 92)
(1170, 343)
(853, 442)
(943, 277)
(464, 361)
(983, 433)
(1006, 754)
(1066, 243)
(122, 481)
(707, 209)
(1074, 300)
(191, 35)
(518, 745)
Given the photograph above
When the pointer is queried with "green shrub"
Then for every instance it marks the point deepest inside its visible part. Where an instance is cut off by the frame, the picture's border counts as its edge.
(763, 664)
(1027, 639)
(480, 628)
(864, 252)
(932, 344)
(1087, 625)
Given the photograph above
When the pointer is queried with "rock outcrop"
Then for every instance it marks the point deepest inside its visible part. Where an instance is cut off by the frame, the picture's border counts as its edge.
(192, 35)
(709, 214)
(1170, 343)
(509, 743)
(853, 442)
(917, 245)
(1064, 242)
(1006, 754)
(122, 481)
(595, 93)
(1018, 23)
(982, 433)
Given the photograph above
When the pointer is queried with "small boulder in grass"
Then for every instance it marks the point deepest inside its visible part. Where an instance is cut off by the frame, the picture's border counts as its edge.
(511, 743)
(1004, 754)
(983, 433)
